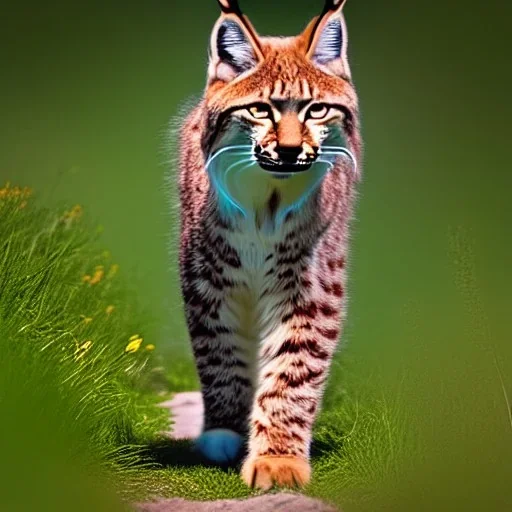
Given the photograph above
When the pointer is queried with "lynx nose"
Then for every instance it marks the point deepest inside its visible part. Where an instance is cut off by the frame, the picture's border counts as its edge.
(289, 154)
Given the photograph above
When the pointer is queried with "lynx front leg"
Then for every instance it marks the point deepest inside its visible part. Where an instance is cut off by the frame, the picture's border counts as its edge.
(295, 361)
(227, 395)
(223, 362)
(223, 359)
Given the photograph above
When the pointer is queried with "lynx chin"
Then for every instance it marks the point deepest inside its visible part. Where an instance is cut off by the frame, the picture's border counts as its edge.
(268, 166)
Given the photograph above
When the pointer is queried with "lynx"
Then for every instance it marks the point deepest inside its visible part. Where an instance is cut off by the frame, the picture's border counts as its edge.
(267, 176)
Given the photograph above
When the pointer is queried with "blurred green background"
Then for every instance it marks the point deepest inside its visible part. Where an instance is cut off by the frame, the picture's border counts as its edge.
(87, 91)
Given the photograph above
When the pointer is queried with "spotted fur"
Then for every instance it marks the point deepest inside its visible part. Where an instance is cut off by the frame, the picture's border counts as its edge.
(264, 301)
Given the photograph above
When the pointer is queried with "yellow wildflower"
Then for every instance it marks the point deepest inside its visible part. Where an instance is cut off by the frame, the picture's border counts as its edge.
(82, 349)
(110, 309)
(114, 268)
(76, 211)
(4, 191)
(98, 275)
(150, 346)
(72, 215)
(86, 319)
(9, 192)
(86, 278)
(134, 344)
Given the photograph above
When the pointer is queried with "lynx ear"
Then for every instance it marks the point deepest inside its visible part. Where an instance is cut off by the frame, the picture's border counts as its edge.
(234, 45)
(327, 34)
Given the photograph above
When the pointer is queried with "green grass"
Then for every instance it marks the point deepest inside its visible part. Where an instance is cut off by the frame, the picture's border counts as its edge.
(74, 394)
(358, 450)
(78, 387)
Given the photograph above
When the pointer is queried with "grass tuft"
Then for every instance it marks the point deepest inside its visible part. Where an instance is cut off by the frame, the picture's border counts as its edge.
(74, 355)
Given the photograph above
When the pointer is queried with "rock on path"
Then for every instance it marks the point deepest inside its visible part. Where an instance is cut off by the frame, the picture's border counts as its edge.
(187, 414)
(187, 411)
(280, 502)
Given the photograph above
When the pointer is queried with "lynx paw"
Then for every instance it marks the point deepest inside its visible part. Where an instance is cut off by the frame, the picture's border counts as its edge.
(219, 445)
(285, 471)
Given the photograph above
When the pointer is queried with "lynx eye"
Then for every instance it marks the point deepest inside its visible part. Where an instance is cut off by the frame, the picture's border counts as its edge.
(259, 112)
(317, 111)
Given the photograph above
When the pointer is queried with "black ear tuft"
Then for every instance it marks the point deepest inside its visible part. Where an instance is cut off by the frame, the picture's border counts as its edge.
(234, 47)
(330, 43)
(230, 6)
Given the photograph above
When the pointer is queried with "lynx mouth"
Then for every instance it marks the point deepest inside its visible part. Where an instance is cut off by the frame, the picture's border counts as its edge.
(277, 167)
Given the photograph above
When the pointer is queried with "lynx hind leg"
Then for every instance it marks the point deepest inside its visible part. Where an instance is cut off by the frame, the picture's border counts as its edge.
(220, 445)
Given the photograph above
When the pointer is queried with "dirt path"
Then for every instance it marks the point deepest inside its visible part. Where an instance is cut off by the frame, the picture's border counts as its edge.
(187, 410)
(280, 502)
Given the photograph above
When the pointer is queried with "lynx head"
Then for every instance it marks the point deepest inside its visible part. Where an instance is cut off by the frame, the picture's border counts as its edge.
(292, 96)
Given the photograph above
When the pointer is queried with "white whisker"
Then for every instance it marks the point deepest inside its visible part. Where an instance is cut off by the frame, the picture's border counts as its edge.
(328, 162)
(235, 149)
(326, 151)
(236, 164)
(332, 147)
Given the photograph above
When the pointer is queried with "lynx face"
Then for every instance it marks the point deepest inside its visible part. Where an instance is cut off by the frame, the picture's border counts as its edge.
(290, 99)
